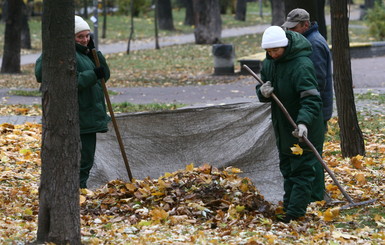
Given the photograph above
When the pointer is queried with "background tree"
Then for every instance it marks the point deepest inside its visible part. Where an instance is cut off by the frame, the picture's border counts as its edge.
(164, 13)
(352, 142)
(277, 12)
(315, 9)
(208, 22)
(240, 12)
(12, 36)
(25, 33)
(59, 212)
(131, 28)
(189, 16)
(104, 31)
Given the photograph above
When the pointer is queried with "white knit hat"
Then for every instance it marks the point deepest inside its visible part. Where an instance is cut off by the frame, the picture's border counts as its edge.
(81, 25)
(274, 37)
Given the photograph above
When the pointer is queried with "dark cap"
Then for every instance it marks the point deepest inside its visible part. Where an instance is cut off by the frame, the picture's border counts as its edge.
(295, 16)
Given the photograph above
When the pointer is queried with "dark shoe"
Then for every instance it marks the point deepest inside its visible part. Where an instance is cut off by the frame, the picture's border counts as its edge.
(286, 218)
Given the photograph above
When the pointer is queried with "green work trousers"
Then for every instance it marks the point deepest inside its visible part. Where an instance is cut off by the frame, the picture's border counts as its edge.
(318, 183)
(299, 174)
(87, 157)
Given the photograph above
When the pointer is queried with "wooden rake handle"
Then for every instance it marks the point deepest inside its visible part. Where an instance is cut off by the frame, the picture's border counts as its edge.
(109, 105)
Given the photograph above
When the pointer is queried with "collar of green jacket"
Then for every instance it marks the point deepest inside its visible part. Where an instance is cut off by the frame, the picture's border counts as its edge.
(81, 49)
(298, 46)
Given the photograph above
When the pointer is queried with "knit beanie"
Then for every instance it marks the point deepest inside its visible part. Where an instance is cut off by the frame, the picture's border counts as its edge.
(274, 37)
(81, 25)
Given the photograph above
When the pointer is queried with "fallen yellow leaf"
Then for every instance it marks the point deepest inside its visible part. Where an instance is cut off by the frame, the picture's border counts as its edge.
(296, 149)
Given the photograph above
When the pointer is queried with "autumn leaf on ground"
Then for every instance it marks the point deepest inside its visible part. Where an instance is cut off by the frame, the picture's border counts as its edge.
(357, 161)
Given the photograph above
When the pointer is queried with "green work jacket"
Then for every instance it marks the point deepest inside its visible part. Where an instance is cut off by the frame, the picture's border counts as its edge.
(93, 116)
(295, 84)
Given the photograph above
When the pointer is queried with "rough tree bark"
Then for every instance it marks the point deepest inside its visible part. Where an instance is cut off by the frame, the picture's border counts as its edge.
(12, 37)
(59, 212)
(277, 12)
(189, 17)
(164, 13)
(352, 142)
(208, 22)
(25, 33)
(240, 13)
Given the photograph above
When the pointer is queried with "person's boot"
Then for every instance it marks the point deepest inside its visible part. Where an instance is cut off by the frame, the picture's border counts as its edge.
(286, 218)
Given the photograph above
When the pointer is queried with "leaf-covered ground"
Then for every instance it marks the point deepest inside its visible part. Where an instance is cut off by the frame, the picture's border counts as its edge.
(198, 204)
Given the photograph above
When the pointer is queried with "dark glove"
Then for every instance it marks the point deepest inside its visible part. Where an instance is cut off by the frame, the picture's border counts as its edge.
(91, 44)
(99, 72)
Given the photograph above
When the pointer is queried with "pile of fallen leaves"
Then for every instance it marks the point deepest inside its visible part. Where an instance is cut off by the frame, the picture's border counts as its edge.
(196, 205)
(192, 195)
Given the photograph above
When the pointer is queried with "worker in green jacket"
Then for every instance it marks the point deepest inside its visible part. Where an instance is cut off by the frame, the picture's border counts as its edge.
(93, 116)
(289, 73)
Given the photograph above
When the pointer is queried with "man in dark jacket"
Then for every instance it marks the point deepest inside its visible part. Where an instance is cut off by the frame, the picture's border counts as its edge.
(93, 116)
(289, 72)
(298, 20)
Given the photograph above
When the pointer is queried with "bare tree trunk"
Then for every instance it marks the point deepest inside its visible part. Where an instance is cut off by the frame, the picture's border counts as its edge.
(164, 13)
(132, 26)
(156, 24)
(12, 37)
(208, 22)
(277, 12)
(104, 19)
(189, 17)
(240, 13)
(321, 18)
(59, 212)
(25, 33)
(352, 142)
(85, 5)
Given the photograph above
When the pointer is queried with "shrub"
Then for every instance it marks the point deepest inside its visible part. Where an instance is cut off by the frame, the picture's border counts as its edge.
(375, 19)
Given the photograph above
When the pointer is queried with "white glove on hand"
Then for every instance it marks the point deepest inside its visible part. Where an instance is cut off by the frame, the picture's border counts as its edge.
(301, 131)
(266, 89)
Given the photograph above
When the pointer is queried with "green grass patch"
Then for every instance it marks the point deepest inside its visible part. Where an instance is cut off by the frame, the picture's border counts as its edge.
(364, 217)
(37, 93)
(375, 97)
(28, 93)
(126, 107)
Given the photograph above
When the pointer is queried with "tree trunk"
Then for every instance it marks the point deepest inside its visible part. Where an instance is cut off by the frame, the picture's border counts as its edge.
(132, 27)
(104, 31)
(59, 212)
(352, 142)
(189, 17)
(277, 12)
(85, 8)
(25, 33)
(208, 22)
(164, 13)
(224, 5)
(12, 37)
(315, 9)
(240, 13)
(156, 24)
